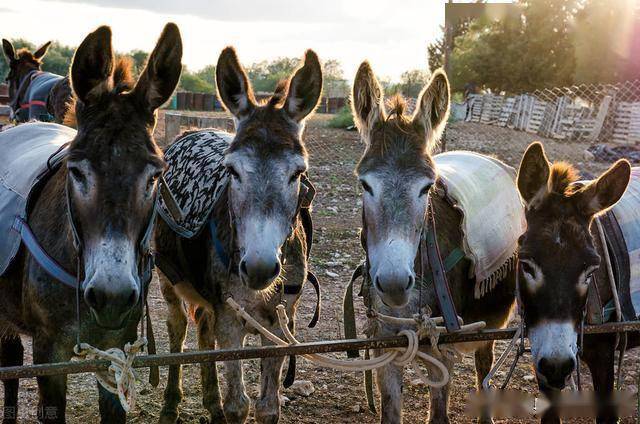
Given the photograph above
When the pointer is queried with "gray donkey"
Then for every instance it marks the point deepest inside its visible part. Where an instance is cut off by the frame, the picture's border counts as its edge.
(397, 173)
(256, 249)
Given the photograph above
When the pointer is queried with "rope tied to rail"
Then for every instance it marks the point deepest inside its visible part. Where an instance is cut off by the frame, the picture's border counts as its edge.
(120, 378)
(399, 356)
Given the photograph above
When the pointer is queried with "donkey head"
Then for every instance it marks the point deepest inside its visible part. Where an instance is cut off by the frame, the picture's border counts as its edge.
(265, 161)
(557, 255)
(396, 172)
(114, 164)
(21, 62)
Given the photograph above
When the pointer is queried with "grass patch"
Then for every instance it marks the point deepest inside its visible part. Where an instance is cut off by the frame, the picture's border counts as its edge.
(343, 119)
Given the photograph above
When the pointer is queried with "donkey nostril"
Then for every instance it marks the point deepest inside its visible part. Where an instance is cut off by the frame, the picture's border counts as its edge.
(133, 298)
(276, 269)
(409, 283)
(90, 297)
(377, 284)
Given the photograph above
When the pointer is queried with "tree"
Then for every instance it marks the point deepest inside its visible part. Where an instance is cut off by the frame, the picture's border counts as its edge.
(191, 82)
(139, 58)
(335, 85)
(265, 75)
(208, 74)
(601, 38)
(411, 82)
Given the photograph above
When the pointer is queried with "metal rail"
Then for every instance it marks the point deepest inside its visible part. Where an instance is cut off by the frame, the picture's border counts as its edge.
(193, 357)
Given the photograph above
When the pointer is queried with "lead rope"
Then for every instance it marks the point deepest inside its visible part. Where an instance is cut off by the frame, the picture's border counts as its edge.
(397, 356)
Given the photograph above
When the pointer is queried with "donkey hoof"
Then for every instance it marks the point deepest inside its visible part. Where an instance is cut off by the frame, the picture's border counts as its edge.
(267, 417)
(168, 416)
(236, 412)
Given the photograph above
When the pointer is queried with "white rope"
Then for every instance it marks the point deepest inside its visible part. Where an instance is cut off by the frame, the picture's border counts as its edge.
(398, 356)
(120, 378)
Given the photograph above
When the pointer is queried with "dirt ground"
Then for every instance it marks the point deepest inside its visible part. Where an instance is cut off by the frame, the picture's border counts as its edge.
(338, 396)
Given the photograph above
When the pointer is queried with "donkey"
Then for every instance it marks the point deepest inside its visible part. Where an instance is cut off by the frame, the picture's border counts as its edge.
(100, 199)
(258, 225)
(397, 173)
(553, 285)
(34, 94)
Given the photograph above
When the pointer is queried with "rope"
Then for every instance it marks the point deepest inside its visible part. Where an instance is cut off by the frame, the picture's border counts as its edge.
(397, 356)
(120, 378)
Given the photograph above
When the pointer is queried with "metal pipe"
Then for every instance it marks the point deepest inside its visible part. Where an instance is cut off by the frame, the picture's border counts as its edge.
(203, 356)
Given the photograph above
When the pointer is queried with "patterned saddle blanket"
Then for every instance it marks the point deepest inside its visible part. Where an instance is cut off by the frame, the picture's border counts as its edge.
(196, 177)
(26, 161)
(483, 189)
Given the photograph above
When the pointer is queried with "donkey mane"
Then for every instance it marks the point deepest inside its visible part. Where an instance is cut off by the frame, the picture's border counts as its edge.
(279, 94)
(397, 107)
(25, 55)
(562, 176)
(122, 81)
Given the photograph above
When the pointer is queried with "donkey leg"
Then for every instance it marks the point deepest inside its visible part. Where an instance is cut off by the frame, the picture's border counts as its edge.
(600, 358)
(11, 354)
(52, 390)
(389, 382)
(177, 329)
(268, 406)
(110, 408)
(439, 399)
(230, 334)
(211, 399)
(484, 362)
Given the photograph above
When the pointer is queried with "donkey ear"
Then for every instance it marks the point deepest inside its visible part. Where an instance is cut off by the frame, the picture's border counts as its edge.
(162, 72)
(367, 99)
(604, 192)
(9, 51)
(533, 175)
(92, 65)
(39, 54)
(233, 84)
(433, 105)
(305, 88)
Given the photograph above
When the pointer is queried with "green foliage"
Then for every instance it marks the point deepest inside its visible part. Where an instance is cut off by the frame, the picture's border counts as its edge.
(265, 75)
(139, 58)
(192, 82)
(343, 119)
(602, 33)
(518, 55)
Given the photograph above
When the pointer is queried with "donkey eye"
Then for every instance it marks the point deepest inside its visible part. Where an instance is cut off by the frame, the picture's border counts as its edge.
(527, 268)
(425, 189)
(77, 175)
(232, 171)
(366, 187)
(295, 176)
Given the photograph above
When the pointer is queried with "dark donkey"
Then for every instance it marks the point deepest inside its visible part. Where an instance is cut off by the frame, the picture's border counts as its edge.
(397, 173)
(104, 193)
(560, 262)
(258, 232)
(34, 94)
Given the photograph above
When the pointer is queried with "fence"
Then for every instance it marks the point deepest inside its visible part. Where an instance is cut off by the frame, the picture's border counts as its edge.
(589, 112)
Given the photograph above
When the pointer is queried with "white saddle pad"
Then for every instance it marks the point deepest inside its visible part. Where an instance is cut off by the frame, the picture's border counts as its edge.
(483, 189)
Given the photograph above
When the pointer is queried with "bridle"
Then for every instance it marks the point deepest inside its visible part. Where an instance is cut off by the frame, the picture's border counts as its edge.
(430, 267)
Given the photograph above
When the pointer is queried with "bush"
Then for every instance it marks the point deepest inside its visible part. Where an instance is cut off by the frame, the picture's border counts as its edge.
(343, 118)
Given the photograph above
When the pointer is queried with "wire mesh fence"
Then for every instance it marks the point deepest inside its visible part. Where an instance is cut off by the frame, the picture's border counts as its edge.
(596, 113)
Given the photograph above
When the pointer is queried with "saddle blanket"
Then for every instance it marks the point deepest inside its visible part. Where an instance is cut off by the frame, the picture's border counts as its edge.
(627, 213)
(37, 97)
(483, 189)
(196, 176)
(26, 161)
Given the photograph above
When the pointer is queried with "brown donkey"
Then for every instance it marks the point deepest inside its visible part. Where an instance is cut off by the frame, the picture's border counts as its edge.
(104, 192)
(34, 94)
(560, 261)
(397, 172)
(260, 230)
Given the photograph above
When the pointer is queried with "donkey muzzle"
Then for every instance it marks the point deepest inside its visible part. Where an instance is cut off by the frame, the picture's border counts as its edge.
(259, 271)
(111, 301)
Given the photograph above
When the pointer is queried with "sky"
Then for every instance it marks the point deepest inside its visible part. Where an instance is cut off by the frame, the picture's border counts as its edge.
(392, 35)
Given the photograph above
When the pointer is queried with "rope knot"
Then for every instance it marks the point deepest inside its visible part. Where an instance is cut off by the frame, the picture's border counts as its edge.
(120, 378)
